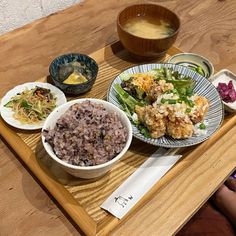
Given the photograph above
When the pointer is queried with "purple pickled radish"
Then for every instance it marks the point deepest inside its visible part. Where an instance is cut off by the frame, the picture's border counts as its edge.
(232, 95)
(230, 85)
(227, 91)
(223, 86)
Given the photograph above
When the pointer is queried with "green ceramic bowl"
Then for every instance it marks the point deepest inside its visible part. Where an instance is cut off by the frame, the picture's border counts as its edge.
(195, 62)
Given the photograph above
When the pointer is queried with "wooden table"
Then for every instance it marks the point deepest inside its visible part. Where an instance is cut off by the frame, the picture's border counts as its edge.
(208, 28)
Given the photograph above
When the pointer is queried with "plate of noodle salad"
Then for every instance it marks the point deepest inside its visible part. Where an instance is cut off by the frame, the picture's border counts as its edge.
(28, 105)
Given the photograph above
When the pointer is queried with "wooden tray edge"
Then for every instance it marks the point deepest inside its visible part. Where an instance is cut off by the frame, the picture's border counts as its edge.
(69, 204)
(116, 47)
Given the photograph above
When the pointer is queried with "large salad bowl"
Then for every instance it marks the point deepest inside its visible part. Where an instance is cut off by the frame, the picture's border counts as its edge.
(202, 87)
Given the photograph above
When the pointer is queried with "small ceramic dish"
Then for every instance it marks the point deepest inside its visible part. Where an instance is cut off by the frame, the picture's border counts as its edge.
(225, 76)
(89, 67)
(194, 61)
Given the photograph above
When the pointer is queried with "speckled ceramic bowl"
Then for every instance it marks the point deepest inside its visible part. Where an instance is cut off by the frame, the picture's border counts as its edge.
(73, 89)
(193, 61)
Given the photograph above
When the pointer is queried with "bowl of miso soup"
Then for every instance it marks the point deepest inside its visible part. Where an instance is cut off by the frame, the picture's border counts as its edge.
(73, 73)
(147, 31)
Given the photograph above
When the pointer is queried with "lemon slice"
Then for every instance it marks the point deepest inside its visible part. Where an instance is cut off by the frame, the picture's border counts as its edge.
(75, 78)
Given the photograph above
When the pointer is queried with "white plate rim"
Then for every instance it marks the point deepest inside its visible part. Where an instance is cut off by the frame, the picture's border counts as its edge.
(7, 113)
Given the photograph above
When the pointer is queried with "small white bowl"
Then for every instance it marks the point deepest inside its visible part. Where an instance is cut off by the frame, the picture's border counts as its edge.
(193, 61)
(86, 172)
(224, 76)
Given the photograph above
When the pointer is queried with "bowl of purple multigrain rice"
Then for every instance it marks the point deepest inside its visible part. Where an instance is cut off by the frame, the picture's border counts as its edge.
(86, 137)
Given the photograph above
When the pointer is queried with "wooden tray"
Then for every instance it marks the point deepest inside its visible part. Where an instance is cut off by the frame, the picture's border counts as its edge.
(81, 199)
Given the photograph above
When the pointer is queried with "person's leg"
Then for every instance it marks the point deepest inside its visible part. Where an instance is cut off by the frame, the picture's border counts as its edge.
(225, 200)
(208, 221)
(231, 183)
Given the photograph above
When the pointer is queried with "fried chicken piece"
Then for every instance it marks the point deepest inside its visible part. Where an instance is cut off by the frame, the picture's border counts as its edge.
(157, 89)
(179, 125)
(200, 109)
(179, 129)
(152, 119)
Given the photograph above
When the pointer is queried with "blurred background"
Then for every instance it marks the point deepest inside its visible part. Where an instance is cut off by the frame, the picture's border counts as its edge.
(15, 13)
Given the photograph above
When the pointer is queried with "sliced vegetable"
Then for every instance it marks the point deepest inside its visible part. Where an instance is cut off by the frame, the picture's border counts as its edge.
(202, 126)
(25, 104)
(9, 104)
(198, 69)
(168, 74)
(124, 106)
(144, 131)
(188, 110)
(187, 101)
(127, 99)
(181, 83)
(184, 84)
(169, 101)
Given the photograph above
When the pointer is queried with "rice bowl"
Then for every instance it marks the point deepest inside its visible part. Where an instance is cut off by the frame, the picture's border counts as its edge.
(90, 171)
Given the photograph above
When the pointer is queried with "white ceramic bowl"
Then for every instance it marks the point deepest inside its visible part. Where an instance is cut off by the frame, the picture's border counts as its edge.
(86, 172)
(224, 76)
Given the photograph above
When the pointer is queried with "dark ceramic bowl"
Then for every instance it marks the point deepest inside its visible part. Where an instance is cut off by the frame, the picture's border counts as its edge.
(144, 48)
(73, 89)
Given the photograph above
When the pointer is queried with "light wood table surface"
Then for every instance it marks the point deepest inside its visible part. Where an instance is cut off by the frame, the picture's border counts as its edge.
(208, 28)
